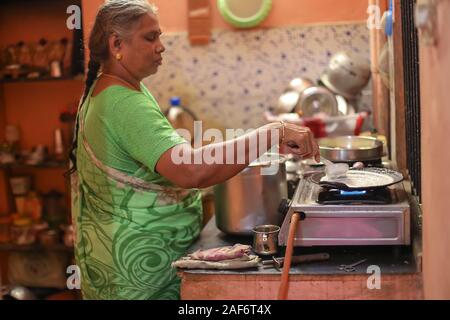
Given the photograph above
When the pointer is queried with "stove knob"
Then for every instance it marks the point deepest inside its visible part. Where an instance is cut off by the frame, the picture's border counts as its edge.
(284, 206)
(302, 215)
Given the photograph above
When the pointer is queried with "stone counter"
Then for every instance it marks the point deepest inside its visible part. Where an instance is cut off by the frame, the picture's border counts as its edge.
(400, 278)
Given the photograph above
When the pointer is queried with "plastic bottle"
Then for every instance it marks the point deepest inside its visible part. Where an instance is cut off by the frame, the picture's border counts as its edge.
(180, 117)
(175, 112)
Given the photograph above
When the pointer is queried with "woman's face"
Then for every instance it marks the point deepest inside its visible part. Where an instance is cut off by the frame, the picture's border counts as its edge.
(142, 53)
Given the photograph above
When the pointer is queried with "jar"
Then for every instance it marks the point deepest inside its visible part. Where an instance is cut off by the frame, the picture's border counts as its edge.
(5, 226)
(22, 231)
(48, 237)
(68, 237)
(54, 209)
(20, 186)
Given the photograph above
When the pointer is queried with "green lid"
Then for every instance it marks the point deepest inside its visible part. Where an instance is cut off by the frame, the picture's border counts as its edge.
(252, 15)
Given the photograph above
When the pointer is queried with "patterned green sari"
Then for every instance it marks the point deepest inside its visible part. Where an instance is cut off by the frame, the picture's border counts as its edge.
(128, 229)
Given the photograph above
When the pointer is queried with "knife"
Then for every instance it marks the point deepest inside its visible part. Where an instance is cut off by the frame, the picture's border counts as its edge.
(278, 262)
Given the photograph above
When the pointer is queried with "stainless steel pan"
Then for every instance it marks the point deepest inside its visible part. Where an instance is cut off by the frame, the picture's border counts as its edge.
(351, 148)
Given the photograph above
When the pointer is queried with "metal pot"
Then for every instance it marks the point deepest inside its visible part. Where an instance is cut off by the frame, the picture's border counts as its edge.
(251, 198)
(346, 74)
(351, 148)
(288, 101)
(17, 293)
(300, 84)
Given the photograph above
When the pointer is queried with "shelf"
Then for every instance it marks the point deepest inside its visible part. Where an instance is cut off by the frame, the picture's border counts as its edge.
(47, 165)
(25, 80)
(34, 247)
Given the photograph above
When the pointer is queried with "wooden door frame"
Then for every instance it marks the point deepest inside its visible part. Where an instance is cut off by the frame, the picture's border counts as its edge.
(399, 92)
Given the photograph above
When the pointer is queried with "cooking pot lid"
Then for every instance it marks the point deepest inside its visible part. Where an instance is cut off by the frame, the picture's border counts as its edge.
(359, 179)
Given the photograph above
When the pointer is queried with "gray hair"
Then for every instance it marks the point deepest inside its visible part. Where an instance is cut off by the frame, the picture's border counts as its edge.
(114, 16)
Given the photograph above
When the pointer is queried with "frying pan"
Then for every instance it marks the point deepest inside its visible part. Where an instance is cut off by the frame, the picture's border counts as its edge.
(351, 148)
(360, 179)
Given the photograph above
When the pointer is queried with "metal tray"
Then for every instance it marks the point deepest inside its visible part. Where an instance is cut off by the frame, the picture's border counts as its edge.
(360, 179)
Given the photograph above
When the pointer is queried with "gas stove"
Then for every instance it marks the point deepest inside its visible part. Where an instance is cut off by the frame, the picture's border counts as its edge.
(334, 217)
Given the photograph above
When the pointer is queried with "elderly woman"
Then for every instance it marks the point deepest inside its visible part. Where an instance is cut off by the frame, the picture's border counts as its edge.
(135, 208)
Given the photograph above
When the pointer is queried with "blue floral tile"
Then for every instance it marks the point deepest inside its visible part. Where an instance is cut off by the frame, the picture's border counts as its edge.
(240, 74)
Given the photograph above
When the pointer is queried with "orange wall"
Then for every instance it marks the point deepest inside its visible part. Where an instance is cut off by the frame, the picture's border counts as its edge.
(36, 106)
(30, 21)
(173, 13)
(435, 113)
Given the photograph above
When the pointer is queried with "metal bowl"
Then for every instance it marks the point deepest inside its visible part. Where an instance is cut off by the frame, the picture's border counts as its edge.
(351, 148)
(300, 84)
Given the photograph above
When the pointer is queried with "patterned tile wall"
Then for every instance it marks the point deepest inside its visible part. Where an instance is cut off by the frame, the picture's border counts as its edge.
(240, 74)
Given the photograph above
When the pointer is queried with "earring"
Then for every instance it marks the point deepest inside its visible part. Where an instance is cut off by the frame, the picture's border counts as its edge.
(119, 56)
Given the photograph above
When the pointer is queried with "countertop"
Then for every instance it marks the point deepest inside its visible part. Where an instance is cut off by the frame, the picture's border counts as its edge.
(390, 259)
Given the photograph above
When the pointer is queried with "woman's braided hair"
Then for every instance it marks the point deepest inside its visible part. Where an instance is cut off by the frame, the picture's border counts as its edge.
(114, 16)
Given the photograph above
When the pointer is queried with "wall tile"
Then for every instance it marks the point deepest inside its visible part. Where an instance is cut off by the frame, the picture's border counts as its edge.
(240, 74)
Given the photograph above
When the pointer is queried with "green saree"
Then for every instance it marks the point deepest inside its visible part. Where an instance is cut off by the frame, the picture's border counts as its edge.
(130, 222)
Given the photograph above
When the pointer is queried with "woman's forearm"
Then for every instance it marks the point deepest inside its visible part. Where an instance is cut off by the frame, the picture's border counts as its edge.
(233, 155)
(218, 162)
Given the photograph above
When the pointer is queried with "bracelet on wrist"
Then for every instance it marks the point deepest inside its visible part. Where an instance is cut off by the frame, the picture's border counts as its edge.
(281, 131)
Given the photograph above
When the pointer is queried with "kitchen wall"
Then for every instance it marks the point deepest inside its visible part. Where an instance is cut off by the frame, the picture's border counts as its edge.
(241, 73)
(230, 82)
(173, 13)
(435, 126)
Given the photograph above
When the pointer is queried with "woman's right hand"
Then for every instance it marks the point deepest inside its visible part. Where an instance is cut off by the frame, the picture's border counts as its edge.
(299, 141)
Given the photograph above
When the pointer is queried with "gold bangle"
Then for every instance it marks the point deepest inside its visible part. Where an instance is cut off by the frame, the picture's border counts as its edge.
(282, 131)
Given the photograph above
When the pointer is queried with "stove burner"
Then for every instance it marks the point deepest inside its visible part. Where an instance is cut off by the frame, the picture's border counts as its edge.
(352, 193)
(335, 196)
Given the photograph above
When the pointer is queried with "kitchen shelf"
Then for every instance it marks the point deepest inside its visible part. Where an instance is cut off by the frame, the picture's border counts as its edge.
(78, 77)
(34, 247)
(46, 165)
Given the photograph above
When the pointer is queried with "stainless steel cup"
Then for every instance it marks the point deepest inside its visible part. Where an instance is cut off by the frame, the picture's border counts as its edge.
(265, 239)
